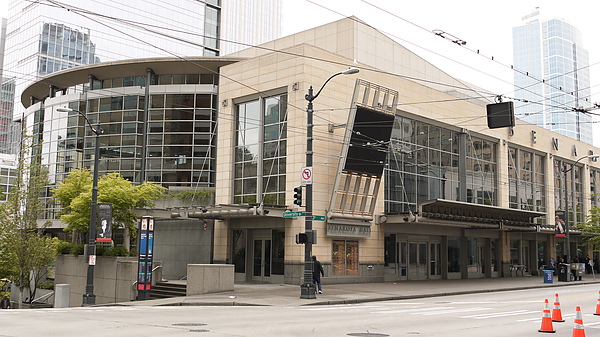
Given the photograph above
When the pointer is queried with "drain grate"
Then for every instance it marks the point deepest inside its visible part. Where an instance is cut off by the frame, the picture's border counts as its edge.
(200, 330)
(367, 334)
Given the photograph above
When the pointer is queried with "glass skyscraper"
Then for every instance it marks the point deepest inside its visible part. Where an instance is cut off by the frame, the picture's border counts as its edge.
(552, 76)
(44, 37)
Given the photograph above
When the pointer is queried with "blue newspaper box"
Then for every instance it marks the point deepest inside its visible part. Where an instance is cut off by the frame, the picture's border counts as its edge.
(548, 276)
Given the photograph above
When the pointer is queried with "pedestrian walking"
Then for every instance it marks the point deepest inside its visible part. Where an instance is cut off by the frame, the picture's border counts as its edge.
(317, 272)
(5, 302)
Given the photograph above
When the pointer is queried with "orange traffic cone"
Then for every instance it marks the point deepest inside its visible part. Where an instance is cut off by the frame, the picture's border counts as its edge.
(546, 320)
(556, 312)
(597, 313)
(578, 328)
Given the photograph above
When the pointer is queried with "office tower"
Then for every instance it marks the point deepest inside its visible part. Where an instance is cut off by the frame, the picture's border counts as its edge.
(552, 76)
(44, 37)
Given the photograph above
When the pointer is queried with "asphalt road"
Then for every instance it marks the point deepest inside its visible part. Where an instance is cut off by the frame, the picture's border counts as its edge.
(508, 313)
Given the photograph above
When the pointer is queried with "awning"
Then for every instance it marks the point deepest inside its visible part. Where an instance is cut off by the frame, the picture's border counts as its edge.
(440, 209)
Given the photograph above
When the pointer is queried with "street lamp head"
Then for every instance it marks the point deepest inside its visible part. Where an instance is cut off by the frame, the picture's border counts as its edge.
(594, 156)
(64, 110)
(350, 71)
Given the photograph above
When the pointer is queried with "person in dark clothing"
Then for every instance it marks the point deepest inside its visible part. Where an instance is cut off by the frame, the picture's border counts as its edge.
(5, 303)
(317, 272)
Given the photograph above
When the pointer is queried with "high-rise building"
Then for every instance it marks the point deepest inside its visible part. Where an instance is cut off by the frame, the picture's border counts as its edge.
(44, 37)
(552, 77)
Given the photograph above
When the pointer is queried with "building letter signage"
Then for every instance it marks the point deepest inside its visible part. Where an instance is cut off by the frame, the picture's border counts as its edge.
(349, 230)
(554, 143)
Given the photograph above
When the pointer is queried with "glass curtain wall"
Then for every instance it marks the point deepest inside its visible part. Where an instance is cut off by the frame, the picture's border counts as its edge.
(423, 164)
(260, 151)
(575, 192)
(526, 180)
(181, 131)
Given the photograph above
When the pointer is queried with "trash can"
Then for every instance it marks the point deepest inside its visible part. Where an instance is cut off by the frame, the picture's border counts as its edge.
(564, 272)
(548, 276)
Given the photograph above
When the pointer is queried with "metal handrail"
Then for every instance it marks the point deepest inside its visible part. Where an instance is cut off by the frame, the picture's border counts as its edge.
(43, 298)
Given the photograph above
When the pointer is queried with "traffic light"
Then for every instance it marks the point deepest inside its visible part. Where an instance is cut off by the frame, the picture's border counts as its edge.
(298, 195)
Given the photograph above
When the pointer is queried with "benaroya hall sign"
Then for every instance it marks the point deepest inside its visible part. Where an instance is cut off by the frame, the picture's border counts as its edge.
(348, 230)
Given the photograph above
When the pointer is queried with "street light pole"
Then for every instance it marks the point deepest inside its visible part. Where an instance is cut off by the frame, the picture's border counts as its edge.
(566, 171)
(307, 289)
(89, 298)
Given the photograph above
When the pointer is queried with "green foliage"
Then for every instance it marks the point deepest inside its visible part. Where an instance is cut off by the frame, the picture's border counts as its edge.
(101, 249)
(64, 247)
(48, 284)
(24, 251)
(75, 195)
(592, 226)
(77, 249)
(118, 251)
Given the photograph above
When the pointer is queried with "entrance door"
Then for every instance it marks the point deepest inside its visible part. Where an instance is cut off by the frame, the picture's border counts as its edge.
(435, 257)
(261, 261)
(417, 261)
(401, 263)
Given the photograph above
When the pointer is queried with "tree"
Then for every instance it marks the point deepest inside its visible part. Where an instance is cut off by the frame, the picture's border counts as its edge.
(75, 196)
(24, 251)
(591, 227)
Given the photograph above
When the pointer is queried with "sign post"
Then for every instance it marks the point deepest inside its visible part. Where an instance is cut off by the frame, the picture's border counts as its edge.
(146, 248)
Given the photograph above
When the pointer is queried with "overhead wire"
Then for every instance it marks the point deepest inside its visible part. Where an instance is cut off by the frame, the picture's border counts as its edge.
(463, 88)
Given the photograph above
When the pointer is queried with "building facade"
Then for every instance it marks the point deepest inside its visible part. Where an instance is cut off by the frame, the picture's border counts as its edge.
(552, 76)
(408, 182)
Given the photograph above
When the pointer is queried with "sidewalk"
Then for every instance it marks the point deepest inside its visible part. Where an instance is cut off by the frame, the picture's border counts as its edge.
(248, 294)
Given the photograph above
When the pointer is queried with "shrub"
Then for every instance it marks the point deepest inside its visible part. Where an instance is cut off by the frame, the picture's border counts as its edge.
(118, 251)
(64, 247)
(48, 284)
(77, 249)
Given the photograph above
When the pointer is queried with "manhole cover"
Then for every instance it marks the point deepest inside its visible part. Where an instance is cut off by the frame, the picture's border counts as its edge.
(368, 334)
(188, 324)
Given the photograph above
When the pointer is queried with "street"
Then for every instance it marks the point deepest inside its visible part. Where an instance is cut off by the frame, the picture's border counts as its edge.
(506, 313)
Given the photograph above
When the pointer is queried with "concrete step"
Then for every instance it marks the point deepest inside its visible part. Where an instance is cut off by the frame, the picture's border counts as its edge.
(167, 290)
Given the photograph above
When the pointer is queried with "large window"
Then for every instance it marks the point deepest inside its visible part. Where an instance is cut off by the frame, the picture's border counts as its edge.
(526, 180)
(573, 183)
(260, 151)
(423, 163)
(344, 257)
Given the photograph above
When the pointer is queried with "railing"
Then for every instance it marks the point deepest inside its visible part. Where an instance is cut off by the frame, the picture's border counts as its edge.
(43, 298)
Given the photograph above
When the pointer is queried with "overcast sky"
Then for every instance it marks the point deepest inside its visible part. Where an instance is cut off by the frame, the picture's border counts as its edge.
(485, 26)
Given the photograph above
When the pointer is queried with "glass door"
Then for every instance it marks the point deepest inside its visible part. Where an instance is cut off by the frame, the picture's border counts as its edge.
(401, 259)
(417, 261)
(261, 262)
(435, 256)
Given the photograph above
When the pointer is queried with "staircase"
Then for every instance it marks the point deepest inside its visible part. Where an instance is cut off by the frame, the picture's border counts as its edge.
(168, 289)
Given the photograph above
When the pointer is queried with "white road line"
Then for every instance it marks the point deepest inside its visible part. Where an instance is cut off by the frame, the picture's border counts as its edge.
(501, 314)
(442, 312)
(410, 311)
